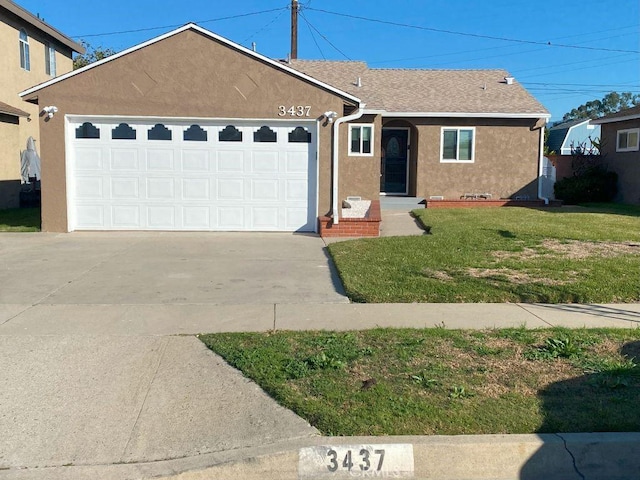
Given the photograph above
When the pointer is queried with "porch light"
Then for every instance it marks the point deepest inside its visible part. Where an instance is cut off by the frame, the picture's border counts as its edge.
(50, 111)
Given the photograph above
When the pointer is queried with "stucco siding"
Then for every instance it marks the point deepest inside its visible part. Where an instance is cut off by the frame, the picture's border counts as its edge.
(186, 75)
(360, 175)
(505, 165)
(13, 80)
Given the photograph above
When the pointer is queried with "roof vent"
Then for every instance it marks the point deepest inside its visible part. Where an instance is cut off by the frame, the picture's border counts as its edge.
(509, 80)
(358, 82)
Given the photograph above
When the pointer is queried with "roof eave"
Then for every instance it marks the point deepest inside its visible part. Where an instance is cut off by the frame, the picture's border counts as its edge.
(462, 114)
(193, 26)
(600, 121)
(42, 26)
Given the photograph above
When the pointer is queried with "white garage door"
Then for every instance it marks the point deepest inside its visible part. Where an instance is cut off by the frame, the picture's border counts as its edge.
(128, 174)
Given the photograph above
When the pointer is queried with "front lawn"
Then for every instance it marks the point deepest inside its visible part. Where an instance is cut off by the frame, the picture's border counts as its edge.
(555, 255)
(20, 220)
(446, 382)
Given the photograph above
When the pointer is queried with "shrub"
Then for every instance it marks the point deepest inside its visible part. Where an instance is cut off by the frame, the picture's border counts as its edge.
(594, 185)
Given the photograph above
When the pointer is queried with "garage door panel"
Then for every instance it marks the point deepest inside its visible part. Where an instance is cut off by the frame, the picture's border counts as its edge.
(195, 180)
(88, 159)
(197, 218)
(124, 188)
(161, 188)
(296, 190)
(89, 187)
(91, 216)
(231, 218)
(265, 190)
(124, 159)
(160, 160)
(294, 217)
(196, 189)
(297, 162)
(125, 216)
(264, 218)
(161, 217)
(195, 161)
(265, 163)
(230, 161)
(230, 189)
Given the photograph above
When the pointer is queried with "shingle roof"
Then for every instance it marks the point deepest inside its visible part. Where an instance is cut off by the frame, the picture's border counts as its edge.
(568, 124)
(633, 112)
(13, 111)
(425, 91)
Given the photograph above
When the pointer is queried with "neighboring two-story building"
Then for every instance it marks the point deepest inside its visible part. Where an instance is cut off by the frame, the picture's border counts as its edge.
(32, 52)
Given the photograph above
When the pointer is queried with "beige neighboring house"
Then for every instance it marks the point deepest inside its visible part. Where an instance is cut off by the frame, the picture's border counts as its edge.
(190, 131)
(32, 52)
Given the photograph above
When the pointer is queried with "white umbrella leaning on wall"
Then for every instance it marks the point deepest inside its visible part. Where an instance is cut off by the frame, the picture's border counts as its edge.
(30, 162)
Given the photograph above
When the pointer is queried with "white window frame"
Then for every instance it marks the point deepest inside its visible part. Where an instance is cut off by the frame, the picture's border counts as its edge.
(456, 160)
(49, 59)
(632, 148)
(25, 57)
(360, 153)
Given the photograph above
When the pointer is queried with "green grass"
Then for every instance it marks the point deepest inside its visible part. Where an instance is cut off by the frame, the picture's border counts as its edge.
(446, 382)
(573, 255)
(20, 220)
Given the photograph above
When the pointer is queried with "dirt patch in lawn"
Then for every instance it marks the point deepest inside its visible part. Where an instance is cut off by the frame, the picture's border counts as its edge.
(573, 250)
(518, 277)
(437, 275)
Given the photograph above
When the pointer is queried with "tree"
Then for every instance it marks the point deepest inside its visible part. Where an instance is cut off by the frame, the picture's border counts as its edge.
(92, 54)
(611, 103)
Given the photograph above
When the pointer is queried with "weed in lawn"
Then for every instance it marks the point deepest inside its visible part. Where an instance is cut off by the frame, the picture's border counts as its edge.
(459, 392)
(485, 350)
(424, 381)
(455, 382)
(555, 347)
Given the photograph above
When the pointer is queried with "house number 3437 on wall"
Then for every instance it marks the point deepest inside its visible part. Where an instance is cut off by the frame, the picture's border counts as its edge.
(294, 111)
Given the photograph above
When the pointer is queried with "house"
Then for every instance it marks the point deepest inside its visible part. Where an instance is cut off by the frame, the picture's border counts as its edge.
(564, 137)
(621, 151)
(190, 131)
(32, 52)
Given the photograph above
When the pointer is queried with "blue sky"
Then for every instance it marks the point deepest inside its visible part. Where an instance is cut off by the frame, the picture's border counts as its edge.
(593, 49)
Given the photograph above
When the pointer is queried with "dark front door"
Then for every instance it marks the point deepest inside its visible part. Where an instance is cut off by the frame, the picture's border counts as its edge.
(393, 168)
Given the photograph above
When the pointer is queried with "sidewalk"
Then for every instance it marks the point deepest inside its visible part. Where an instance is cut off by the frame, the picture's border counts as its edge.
(192, 319)
(126, 391)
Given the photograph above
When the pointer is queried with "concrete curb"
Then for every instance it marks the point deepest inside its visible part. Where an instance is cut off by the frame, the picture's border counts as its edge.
(592, 456)
(597, 456)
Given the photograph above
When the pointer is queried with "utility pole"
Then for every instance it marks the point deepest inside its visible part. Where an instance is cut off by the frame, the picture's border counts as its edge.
(294, 29)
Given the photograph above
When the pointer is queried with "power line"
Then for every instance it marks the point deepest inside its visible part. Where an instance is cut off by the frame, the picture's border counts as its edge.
(583, 84)
(503, 47)
(313, 35)
(231, 17)
(474, 35)
(277, 17)
(327, 40)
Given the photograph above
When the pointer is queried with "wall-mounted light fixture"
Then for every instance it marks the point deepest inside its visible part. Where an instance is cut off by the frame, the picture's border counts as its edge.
(50, 111)
(331, 116)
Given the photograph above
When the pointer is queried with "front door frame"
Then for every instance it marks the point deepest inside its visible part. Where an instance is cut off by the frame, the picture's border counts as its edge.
(408, 129)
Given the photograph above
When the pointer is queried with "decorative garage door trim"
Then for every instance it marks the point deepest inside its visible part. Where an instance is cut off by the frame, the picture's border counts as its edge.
(131, 173)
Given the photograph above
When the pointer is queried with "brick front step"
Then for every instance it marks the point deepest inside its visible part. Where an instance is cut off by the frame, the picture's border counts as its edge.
(353, 227)
(480, 203)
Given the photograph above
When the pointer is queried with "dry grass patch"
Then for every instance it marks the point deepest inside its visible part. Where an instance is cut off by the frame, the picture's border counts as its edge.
(519, 277)
(447, 382)
(572, 249)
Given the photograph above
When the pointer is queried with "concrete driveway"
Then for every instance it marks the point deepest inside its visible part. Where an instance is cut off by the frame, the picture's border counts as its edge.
(165, 268)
